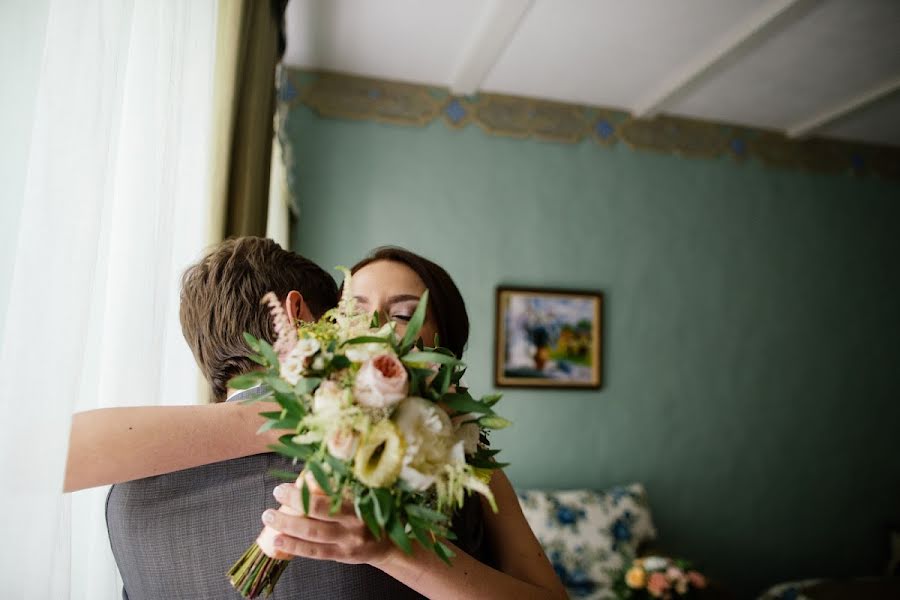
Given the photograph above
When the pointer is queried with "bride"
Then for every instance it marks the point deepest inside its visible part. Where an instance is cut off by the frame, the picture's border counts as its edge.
(497, 554)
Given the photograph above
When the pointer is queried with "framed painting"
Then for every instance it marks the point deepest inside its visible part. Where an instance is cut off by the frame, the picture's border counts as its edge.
(548, 338)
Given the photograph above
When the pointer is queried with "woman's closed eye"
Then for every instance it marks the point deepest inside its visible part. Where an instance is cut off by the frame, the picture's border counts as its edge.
(401, 317)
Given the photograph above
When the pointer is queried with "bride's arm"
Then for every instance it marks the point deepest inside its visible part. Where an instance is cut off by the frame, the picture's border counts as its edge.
(524, 570)
(111, 445)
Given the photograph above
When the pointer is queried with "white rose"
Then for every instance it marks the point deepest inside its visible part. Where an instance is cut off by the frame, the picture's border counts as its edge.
(381, 382)
(428, 434)
(328, 400)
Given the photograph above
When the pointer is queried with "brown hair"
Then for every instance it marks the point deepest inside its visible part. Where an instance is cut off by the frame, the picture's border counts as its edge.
(445, 301)
(220, 300)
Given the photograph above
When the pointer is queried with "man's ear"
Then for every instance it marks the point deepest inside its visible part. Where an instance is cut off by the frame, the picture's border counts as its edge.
(296, 307)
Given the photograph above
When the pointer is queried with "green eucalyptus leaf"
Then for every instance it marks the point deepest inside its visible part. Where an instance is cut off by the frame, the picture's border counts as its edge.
(383, 503)
(340, 362)
(265, 348)
(368, 516)
(245, 381)
(366, 339)
(465, 403)
(337, 465)
(415, 324)
(285, 475)
(443, 552)
(252, 342)
(397, 533)
(292, 450)
(491, 399)
(426, 514)
(304, 496)
(278, 384)
(320, 476)
(307, 385)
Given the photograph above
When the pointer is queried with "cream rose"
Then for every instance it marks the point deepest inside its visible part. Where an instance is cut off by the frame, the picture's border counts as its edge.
(328, 400)
(342, 443)
(428, 434)
(381, 382)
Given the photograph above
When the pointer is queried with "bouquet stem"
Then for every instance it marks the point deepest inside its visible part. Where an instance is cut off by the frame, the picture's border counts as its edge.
(254, 572)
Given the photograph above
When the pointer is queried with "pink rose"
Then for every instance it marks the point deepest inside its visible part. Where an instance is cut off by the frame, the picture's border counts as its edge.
(342, 443)
(381, 382)
(657, 584)
(697, 580)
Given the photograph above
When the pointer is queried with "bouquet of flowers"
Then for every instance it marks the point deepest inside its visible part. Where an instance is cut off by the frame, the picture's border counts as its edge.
(378, 420)
(657, 577)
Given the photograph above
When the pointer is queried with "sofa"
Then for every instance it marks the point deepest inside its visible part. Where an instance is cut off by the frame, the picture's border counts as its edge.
(589, 535)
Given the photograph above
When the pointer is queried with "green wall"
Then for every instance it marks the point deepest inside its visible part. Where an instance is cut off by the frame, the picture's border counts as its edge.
(752, 329)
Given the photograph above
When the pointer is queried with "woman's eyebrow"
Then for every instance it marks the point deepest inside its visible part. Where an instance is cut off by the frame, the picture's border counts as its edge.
(402, 298)
(361, 299)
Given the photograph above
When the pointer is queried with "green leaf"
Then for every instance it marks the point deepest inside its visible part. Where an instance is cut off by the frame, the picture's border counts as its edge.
(292, 450)
(491, 399)
(278, 384)
(382, 503)
(321, 477)
(286, 423)
(486, 464)
(252, 342)
(307, 385)
(457, 377)
(304, 496)
(442, 382)
(418, 358)
(337, 465)
(257, 359)
(443, 552)
(265, 348)
(366, 339)
(290, 404)
(367, 511)
(340, 362)
(426, 514)
(397, 533)
(376, 321)
(463, 402)
(245, 381)
(494, 422)
(286, 475)
(415, 324)
(274, 415)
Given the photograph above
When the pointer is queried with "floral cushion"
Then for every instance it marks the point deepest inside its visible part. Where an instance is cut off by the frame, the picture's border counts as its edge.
(587, 535)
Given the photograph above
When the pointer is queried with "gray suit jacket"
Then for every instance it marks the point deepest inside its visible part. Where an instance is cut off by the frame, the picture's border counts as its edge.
(174, 536)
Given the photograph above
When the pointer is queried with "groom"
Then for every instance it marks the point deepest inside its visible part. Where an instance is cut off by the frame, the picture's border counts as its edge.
(176, 535)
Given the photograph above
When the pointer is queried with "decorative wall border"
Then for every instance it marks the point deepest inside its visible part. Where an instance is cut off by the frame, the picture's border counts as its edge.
(339, 96)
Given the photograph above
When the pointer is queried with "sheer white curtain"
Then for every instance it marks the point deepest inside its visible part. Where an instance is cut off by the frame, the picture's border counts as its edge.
(116, 204)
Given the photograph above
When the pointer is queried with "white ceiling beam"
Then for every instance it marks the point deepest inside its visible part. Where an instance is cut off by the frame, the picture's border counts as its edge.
(737, 40)
(490, 37)
(842, 109)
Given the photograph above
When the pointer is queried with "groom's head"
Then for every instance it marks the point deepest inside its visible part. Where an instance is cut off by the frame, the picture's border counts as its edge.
(220, 300)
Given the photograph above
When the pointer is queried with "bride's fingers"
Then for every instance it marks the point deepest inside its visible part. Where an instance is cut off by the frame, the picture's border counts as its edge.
(319, 505)
(305, 528)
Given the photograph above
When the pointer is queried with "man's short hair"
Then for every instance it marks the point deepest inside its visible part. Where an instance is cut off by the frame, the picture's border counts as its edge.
(220, 300)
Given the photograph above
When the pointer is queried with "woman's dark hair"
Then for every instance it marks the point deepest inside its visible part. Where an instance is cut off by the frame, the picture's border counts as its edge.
(444, 300)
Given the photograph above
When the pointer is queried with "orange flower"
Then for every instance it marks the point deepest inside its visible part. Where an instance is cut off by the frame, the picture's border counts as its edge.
(635, 578)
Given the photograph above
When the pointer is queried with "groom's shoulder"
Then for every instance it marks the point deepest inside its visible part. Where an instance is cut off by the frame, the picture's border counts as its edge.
(249, 473)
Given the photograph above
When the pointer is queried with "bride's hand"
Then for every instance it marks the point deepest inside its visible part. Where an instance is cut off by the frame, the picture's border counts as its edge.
(341, 537)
